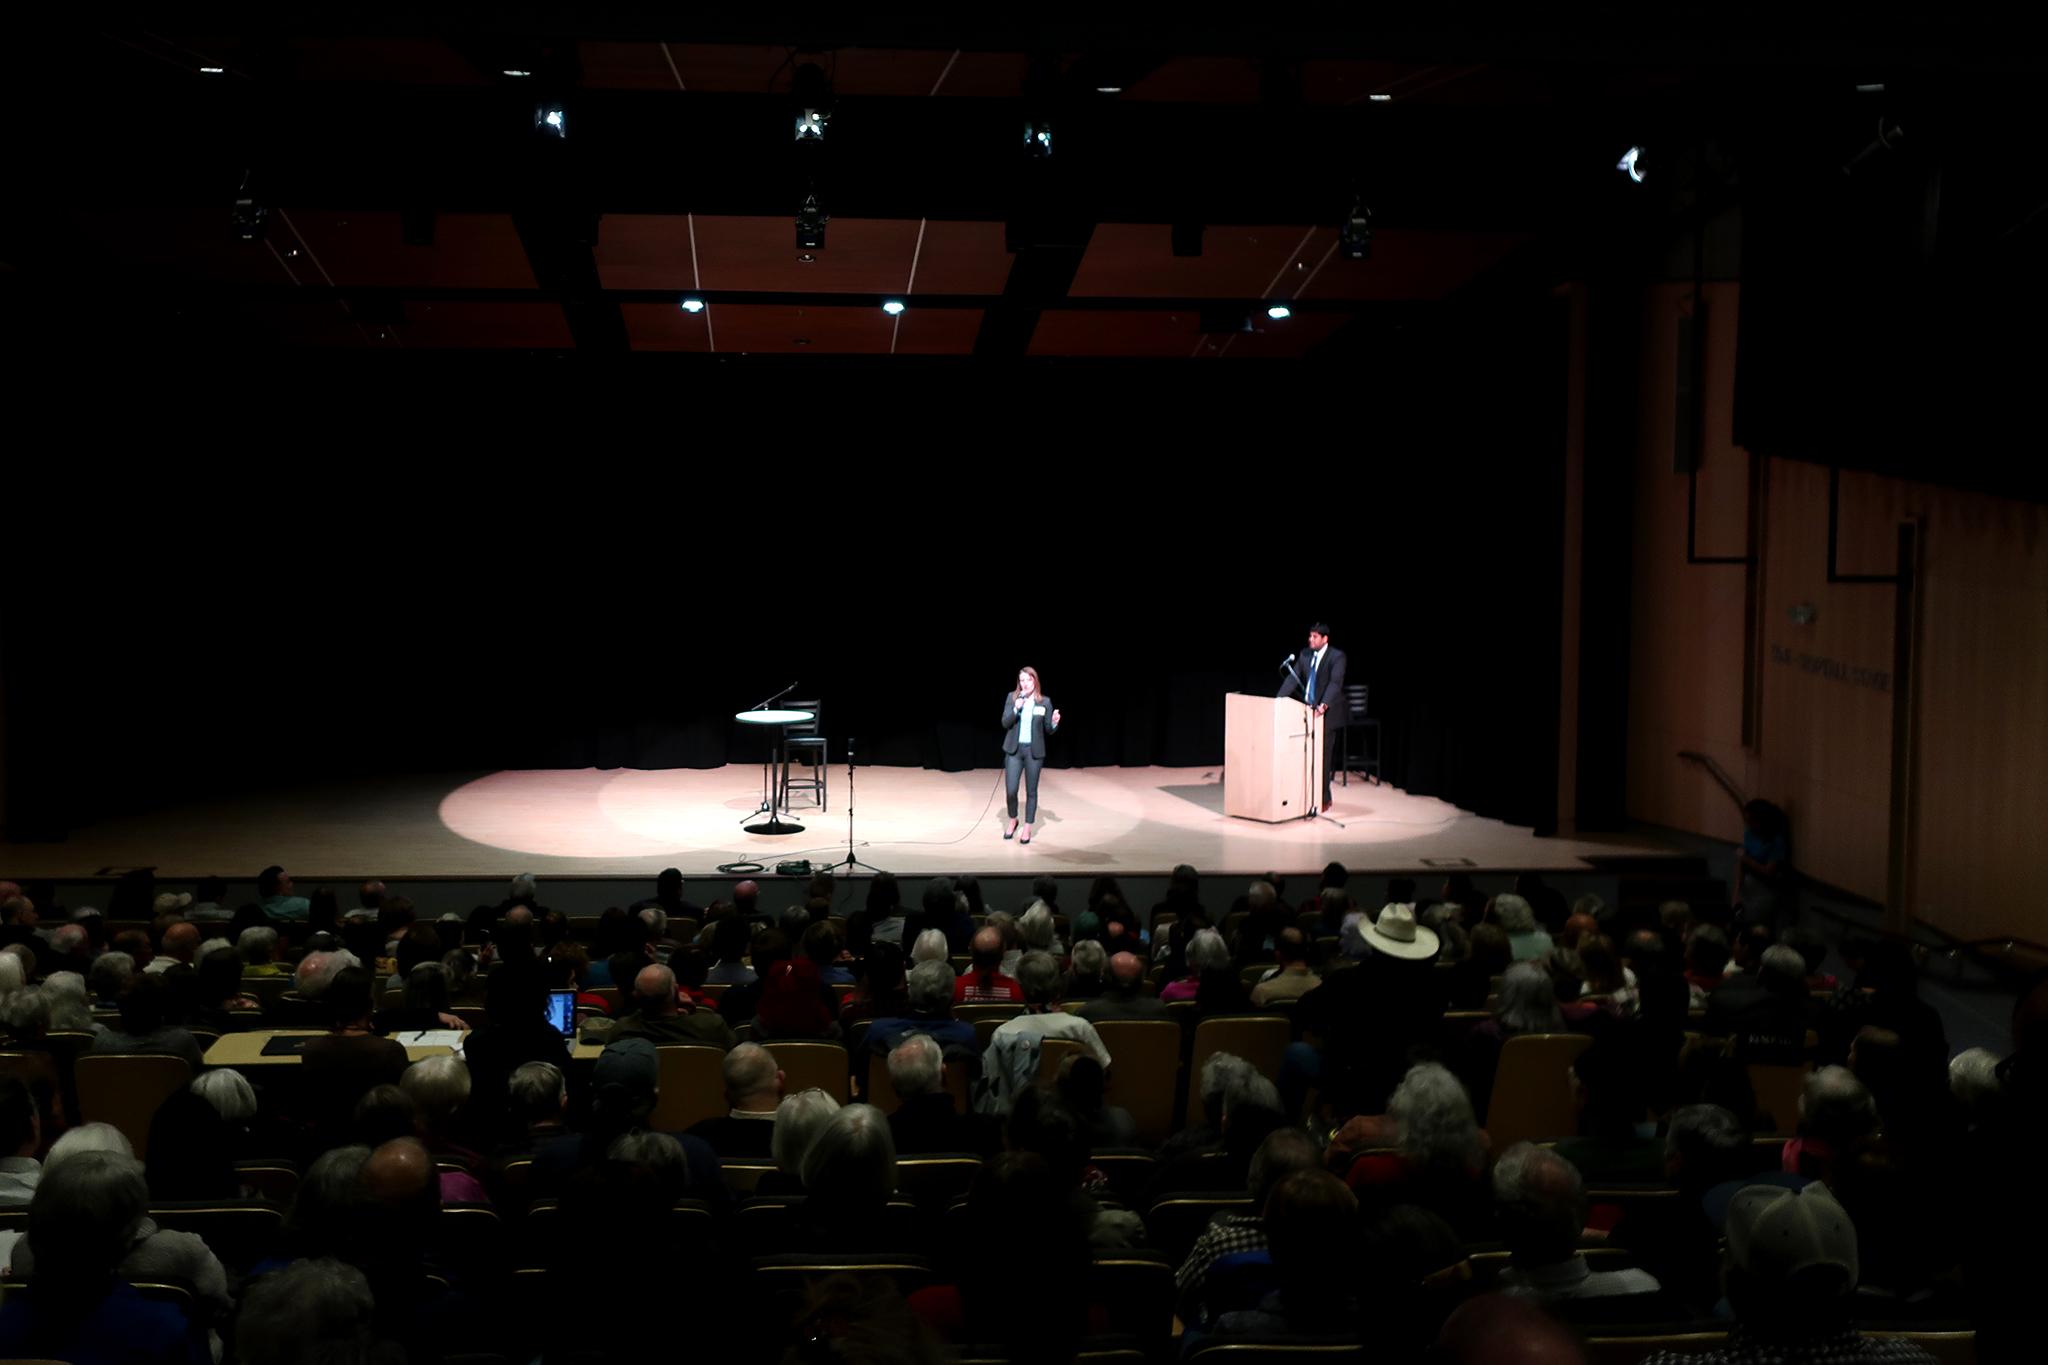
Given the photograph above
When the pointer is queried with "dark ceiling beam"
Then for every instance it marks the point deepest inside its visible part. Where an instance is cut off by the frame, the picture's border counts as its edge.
(1046, 293)
(1484, 32)
(371, 148)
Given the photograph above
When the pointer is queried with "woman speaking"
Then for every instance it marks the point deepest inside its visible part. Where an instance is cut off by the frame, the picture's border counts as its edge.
(1027, 719)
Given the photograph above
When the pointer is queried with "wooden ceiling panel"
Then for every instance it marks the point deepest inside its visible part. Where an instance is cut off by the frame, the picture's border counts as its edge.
(1137, 260)
(938, 331)
(1103, 332)
(664, 327)
(1287, 339)
(779, 329)
(644, 251)
(470, 250)
(860, 256)
(962, 258)
(195, 242)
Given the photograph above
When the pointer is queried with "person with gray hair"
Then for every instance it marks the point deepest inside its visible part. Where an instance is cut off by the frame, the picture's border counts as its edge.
(1540, 1206)
(799, 1119)
(849, 1172)
(71, 945)
(1528, 1002)
(1085, 969)
(931, 947)
(1037, 929)
(13, 976)
(930, 990)
(258, 946)
(1974, 1082)
(753, 1090)
(70, 1010)
(1010, 1065)
(1207, 952)
(316, 971)
(539, 1095)
(318, 1308)
(525, 891)
(89, 1172)
(926, 1119)
(1836, 1114)
(110, 977)
(84, 1219)
(26, 1012)
(1283, 1152)
(658, 1013)
(1517, 918)
(229, 1092)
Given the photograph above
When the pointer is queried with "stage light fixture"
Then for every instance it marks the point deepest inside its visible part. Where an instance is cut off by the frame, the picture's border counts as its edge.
(251, 219)
(551, 120)
(1354, 234)
(810, 224)
(693, 305)
(1278, 311)
(1631, 164)
(812, 95)
(893, 307)
(212, 70)
(1038, 138)
(515, 72)
(1109, 90)
(1378, 98)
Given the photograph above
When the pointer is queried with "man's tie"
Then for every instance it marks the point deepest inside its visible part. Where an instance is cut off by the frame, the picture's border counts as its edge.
(1310, 698)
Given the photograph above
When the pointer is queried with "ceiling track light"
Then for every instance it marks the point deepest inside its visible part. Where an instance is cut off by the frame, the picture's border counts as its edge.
(1277, 311)
(893, 307)
(251, 216)
(551, 120)
(693, 305)
(1354, 234)
(212, 70)
(1631, 164)
(1038, 138)
(810, 224)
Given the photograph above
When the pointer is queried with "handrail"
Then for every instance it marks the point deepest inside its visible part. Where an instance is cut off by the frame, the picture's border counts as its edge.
(1720, 775)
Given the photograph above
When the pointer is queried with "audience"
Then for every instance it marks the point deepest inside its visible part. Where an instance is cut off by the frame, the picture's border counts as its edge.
(1895, 1142)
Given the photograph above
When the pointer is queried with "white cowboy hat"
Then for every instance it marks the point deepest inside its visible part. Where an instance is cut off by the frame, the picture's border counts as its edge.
(1396, 934)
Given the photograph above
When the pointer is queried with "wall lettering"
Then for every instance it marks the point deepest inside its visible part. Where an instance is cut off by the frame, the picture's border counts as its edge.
(1835, 670)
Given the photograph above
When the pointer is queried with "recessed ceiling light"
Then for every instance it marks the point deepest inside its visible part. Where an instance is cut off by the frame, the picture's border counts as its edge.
(1109, 90)
(1278, 311)
(693, 305)
(511, 71)
(1378, 98)
(212, 70)
(892, 307)
(806, 258)
(1873, 89)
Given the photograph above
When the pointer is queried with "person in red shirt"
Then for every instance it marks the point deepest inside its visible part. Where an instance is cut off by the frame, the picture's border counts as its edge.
(984, 983)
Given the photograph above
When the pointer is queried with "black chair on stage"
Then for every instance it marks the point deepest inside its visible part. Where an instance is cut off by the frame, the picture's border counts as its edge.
(1359, 729)
(805, 742)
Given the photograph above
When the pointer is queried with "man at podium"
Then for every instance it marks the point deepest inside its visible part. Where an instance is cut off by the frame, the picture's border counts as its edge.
(1318, 674)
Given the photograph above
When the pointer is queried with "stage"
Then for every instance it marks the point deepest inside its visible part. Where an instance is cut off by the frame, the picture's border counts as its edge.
(910, 821)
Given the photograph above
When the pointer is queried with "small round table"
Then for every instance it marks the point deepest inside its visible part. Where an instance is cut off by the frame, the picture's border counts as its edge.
(775, 779)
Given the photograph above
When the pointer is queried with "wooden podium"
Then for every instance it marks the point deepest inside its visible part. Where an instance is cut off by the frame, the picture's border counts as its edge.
(1272, 757)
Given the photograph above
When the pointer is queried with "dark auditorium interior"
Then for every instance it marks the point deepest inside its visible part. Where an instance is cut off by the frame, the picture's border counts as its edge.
(520, 519)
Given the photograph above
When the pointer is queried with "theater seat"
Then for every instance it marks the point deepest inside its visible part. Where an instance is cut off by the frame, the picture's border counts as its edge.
(126, 1090)
(806, 1065)
(1532, 1092)
(1144, 1072)
(691, 1085)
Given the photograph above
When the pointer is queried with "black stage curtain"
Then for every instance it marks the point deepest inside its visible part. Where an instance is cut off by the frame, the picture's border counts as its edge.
(603, 576)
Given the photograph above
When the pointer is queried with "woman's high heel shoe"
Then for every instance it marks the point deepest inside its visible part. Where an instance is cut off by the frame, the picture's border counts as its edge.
(1011, 832)
(1027, 835)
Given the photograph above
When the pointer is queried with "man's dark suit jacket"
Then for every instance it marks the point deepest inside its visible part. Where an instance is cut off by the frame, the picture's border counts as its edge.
(1329, 685)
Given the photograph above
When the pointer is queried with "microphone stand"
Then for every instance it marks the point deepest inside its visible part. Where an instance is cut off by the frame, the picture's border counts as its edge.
(849, 862)
(1308, 730)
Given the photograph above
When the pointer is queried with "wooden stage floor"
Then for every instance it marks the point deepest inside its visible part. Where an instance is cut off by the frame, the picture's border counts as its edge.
(911, 821)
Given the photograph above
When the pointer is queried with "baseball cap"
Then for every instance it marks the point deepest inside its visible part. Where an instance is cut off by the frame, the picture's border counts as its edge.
(632, 1064)
(1775, 1233)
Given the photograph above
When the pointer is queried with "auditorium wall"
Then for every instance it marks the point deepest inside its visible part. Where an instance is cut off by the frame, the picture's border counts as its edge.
(1816, 682)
